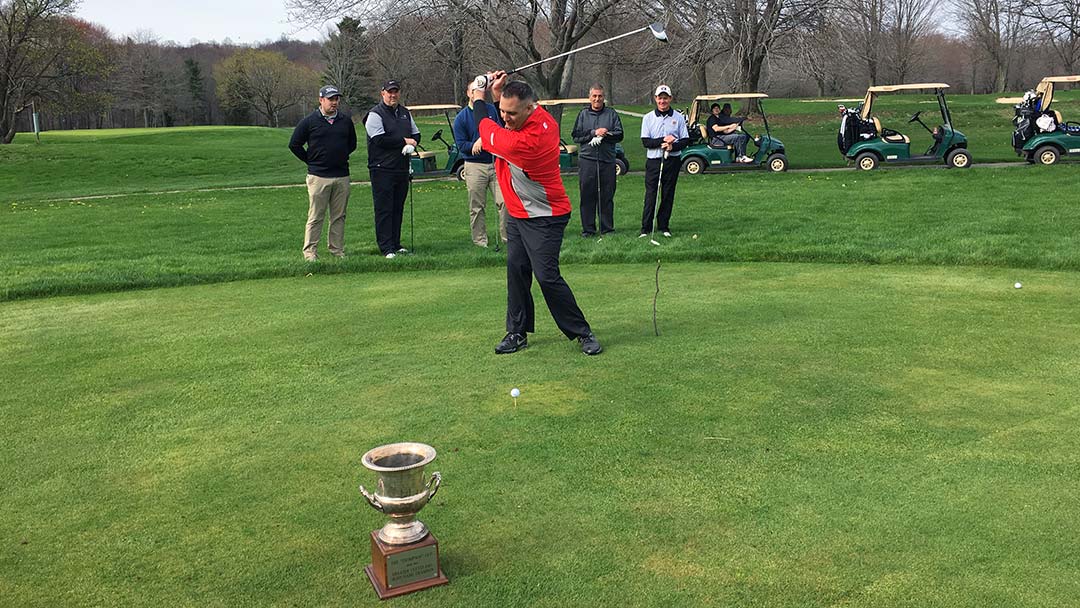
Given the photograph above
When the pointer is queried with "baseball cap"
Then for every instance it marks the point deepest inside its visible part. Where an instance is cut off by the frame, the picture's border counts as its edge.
(663, 90)
(390, 85)
(329, 91)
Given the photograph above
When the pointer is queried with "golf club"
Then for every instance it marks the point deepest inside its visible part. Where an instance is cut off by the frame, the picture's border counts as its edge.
(656, 29)
(599, 207)
(656, 199)
(412, 226)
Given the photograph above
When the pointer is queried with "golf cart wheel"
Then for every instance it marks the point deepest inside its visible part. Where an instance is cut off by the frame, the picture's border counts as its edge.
(959, 159)
(621, 167)
(694, 165)
(867, 161)
(459, 172)
(777, 163)
(1047, 155)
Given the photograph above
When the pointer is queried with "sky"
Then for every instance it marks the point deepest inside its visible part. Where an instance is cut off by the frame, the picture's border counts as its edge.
(241, 21)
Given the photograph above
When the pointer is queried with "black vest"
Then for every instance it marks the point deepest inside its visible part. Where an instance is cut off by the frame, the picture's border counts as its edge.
(397, 125)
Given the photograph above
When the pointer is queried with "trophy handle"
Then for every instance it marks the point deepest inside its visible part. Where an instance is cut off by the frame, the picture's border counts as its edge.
(374, 502)
(433, 485)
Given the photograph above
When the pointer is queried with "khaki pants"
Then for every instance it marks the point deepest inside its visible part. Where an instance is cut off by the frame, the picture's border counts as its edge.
(479, 178)
(326, 194)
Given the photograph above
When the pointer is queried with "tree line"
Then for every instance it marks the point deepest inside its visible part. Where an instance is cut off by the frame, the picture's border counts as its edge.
(79, 76)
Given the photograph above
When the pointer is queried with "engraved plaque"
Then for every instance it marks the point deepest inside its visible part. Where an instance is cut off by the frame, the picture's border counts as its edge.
(411, 566)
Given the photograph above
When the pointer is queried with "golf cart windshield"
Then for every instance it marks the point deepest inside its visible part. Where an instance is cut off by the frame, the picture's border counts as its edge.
(938, 88)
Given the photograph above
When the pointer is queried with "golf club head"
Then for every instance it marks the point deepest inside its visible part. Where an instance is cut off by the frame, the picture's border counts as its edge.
(658, 32)
(652, 242)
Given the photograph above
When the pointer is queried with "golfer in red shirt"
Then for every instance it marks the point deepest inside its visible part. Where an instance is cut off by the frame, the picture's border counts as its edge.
(527, 166)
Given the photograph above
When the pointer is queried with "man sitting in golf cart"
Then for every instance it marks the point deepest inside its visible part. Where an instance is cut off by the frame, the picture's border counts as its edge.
(723, 130)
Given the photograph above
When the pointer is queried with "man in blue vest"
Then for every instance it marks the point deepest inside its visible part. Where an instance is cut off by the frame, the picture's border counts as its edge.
(392, 136)
(479, 170)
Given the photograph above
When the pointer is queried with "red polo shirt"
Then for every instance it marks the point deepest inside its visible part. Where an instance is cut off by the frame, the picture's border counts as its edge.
(527, 165)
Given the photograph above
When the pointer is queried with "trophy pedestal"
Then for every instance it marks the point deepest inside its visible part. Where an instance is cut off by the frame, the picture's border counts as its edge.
(399, 569)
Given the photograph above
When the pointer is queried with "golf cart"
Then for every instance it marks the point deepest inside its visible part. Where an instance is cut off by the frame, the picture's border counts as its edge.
(701, 155)
(424, 163)
(864, 140)
(1041, 136)
(568, 153)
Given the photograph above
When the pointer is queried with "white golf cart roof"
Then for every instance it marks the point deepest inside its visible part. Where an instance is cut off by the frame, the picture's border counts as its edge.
(731, 96)
(1046, 88)
(872, 92)
(564, 102)
(434, 107)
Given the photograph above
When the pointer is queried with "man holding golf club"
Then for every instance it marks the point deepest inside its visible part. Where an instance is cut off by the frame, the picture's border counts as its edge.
(392, 137)
(526, 154)
(479, 171)
(597, 129)
(664, 135)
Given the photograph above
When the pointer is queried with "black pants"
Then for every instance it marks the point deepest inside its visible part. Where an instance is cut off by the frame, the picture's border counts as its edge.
(533, 248)
(597, 187)
(672, 166)
(388, 190)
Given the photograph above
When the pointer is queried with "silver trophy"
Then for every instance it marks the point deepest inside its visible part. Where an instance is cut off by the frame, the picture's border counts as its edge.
(400, 491)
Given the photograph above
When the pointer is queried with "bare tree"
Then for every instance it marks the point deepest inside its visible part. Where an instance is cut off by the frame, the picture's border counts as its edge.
(865, 34)
(817, 50)
(348, 62)
(1058, 22)
(908, 23)
(997, 28)
(32, 39)
(265, 82)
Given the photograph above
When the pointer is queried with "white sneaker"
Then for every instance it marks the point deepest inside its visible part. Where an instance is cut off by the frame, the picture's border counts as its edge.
(391, 255)
(643, 235)
(666, 233)
(403, 250)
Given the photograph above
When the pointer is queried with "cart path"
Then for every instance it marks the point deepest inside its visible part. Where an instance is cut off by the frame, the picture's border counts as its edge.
(852, 169)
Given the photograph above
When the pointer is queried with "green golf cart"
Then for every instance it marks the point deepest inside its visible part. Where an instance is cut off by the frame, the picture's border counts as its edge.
(1041, 135)
(701, 155)
(424, 162)
(864, 140)
(568, 153)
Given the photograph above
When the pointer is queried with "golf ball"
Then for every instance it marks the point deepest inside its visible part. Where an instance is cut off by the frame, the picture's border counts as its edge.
(1018, 285)
(515, 393)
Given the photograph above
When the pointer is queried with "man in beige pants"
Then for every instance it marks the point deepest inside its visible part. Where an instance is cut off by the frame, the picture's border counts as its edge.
(330, 138)
(479, 171)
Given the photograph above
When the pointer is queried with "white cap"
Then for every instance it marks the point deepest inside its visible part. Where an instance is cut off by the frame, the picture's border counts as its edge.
(663, 89)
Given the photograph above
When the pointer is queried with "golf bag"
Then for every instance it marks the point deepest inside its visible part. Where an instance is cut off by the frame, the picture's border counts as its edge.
(1027, 112)
(853, 129)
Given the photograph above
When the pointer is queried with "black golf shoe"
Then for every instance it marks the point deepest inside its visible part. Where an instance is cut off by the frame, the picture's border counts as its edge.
(590, 345)
(511, 344)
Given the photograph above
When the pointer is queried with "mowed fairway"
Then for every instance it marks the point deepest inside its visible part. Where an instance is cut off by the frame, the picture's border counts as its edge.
(849, 404)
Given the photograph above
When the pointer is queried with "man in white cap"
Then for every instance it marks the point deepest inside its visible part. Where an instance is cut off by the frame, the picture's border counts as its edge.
(664, 135)
(330, 138)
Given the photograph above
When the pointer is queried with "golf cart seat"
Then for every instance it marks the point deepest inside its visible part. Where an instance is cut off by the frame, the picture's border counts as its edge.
(424, 154)
(1057, 118)
(890, 136)
(570, 148)
(708, 140)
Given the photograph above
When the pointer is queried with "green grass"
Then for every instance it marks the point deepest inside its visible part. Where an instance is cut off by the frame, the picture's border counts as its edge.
(85, 163)
(848, 405)
(912, 216)
(799, 435)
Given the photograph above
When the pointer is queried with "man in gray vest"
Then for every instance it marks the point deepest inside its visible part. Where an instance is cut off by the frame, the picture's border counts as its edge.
(597, 129)
(392, 137)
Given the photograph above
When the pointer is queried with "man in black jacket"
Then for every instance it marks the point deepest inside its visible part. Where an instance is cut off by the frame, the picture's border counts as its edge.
(392, 137)
(330, 138)
(597, 129)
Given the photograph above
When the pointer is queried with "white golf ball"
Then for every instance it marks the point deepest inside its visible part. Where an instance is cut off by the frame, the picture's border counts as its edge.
(515, 393)
(1018, 285)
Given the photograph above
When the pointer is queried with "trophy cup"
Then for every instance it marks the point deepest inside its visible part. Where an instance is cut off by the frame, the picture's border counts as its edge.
(404, 554)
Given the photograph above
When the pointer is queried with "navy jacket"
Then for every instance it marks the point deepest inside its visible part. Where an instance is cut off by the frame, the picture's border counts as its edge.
(328, 145)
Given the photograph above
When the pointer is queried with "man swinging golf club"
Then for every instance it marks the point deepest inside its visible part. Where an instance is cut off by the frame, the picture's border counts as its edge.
(527, 167)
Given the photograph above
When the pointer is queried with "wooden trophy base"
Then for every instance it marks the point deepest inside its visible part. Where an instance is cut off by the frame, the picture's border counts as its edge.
(399, 569)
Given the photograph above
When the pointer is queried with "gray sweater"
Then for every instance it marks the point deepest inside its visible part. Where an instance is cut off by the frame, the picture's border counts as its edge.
(588, 121)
